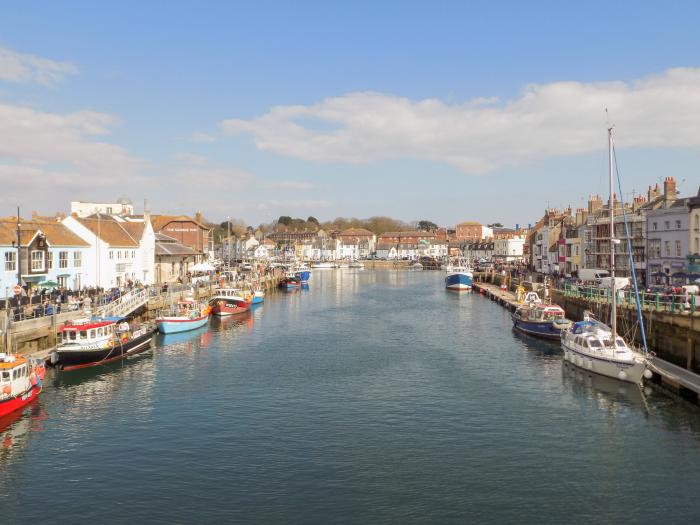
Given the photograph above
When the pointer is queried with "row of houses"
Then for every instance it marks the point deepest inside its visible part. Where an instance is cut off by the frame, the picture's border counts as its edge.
(93, 248)
(661, 231)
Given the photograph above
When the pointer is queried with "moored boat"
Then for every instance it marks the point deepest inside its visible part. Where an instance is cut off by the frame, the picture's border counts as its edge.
(595, 346)
(459, 277)
(87, 342)
(258, 296)
(290, 281)
(303, 273)
(230, 301)
(20, 382)
(322, 265)
(538, 319)
(187, 314)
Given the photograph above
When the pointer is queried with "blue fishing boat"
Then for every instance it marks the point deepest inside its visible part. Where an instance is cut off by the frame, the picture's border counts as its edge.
(303, 275)
(258, 297)
(459, 276)
(188, 315)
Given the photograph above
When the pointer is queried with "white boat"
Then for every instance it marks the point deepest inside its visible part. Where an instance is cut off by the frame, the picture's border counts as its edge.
(594, 346)
(322, 265)
(356, 264)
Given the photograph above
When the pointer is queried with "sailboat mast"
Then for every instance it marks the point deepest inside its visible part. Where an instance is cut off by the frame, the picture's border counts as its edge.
(613, 309)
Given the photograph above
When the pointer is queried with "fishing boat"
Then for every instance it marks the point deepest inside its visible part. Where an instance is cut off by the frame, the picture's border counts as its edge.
(302, 272)
(230, 301)
(187, 314)
(539, 319)
(93, 341)
(290, 282)
(321, 265)
(459, 276)
(20, 382)
(595, 346)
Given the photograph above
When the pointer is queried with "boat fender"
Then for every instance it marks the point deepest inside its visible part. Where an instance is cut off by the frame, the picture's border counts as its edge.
(622, 375)
(648, 374)
(7, 389)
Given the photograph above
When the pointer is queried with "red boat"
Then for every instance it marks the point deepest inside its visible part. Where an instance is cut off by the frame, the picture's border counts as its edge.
(20, 382)
(230, 301)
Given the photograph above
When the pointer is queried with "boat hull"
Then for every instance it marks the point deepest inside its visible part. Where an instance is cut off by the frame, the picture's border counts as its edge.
(227, 306)
(303, 276)
(174, 325)
(80, 358)
(459, 281)
(257, 299)
(290, 283)
(629, 371)
(20, 401)
(543, 329)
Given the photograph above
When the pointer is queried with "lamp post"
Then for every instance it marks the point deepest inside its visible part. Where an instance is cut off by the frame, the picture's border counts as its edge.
(19, 252)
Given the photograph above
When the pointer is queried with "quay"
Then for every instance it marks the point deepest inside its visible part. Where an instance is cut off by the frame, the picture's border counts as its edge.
(684, 326)
(36, 337)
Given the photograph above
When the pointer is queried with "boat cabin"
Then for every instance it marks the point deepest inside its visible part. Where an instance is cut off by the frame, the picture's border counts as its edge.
(14, 375)
(229, 292)
(541, 312)
(87, 331)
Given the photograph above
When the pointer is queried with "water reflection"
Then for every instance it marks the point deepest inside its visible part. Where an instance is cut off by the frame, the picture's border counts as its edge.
(15, 429)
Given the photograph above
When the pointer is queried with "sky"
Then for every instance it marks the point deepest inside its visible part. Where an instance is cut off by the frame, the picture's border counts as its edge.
(443, 111)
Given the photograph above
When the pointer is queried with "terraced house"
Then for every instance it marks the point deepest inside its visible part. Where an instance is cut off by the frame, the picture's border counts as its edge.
(48, 252)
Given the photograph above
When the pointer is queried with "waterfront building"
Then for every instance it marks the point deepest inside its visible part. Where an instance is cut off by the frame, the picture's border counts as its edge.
(669, 241)
(122, 206)
(407, 237)
(542, 237)
(480, 251)
(355, 243)
(186, 230)
(694, 240)
(437, 249)
(508, 247)
(172, 259)
(386, 251)
(455, 248)
(573, 233)
(121, 249)
(48, 252)
(472, 231)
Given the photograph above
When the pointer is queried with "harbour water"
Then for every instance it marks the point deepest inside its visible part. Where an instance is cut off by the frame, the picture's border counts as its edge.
(371, 397)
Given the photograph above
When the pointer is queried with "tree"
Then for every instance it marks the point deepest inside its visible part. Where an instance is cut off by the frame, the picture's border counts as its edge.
(427, 226)
(312, 220)
(495, 225)
(284, 219)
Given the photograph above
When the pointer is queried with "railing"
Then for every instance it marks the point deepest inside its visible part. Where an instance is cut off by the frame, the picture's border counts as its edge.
(655, 301)
(127, 303)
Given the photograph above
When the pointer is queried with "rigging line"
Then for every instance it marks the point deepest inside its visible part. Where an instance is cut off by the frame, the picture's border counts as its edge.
(631, 257)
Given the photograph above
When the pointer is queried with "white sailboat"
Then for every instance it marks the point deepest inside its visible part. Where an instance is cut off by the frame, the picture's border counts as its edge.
(594, 346)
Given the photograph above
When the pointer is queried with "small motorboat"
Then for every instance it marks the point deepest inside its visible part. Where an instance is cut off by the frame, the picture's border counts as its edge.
(258, 296)
(88, 342)
(538, 319)
(322, 266)
(20, 382)
(230, 301)
(357, 264)
(187, 314)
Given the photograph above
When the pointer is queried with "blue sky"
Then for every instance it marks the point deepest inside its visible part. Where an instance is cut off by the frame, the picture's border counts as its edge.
(446, 111)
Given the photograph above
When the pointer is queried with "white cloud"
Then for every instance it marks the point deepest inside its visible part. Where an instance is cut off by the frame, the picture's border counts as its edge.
(25, 68)
(199, 136)
(289, 185)
(481, 135)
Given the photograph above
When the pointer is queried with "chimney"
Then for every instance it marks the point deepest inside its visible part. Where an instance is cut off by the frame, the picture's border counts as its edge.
(594, 204)
(654, 192)
(669, 189)
(198, 216)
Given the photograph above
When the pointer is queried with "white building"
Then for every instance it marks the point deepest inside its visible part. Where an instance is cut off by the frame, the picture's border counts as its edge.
(121, 249)
(509, 249)
(122, 207)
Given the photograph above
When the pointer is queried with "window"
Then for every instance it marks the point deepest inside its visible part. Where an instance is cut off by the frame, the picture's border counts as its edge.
(667, 248)
(654, 226)
(678, 225)
(133, 254)
(63, 259)
(119, 254)
(37, 258)
(678, 248)
(10, 261)
(77, 259)
(109, 210)
(49, 260)
(667, 225)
